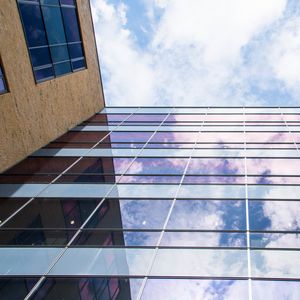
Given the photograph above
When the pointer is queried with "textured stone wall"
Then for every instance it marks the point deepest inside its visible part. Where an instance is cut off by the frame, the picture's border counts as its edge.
(33, 114)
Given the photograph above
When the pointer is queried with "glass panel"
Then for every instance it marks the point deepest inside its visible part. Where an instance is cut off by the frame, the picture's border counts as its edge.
(143, 191)
(59, 53)
(200, 262)
(33, 25)
(53, 213)
(75, 50)
(34, 165)
(158, 166)
(45, 73)
(40, 57)
(131, 214)
(2, 85)
(275, 264)
(212, 191)
(275, 240)
(54, 25)
(36, 237)
(97, 288)
(78, 64)
(216, 166)
(16, 288)
(62, 68)
(9, 206)
(273, 192)
(208, 214)
(101, 238)
(26, 261)
(71, 24)
(129, 137)
(266, 289)
(204, 239)
(274, 215)
(192, 289)
(73, 136)
(103, 261)
(101, 165)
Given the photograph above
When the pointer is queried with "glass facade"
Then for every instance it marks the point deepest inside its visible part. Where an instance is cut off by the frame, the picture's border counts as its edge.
(53, 37)
(157, 203)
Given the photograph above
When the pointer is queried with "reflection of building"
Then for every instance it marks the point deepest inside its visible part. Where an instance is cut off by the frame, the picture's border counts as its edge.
(157, 203)
(52, 79)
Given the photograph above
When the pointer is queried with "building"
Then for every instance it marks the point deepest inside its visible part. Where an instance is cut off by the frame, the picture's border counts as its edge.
(52, 80)
(157, 203)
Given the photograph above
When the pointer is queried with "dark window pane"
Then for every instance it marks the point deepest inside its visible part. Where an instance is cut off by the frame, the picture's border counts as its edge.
(9, 205)
(55, 2)
(75, 50)
(59, 53)
(78, 64)
(54, 25)
(45, 73)
(62, 68)
(53, 213)
(88, 288)
(33, 24)
(36, 237)
(40, 57)
(16, 288)
(71, 24)
(67, 2)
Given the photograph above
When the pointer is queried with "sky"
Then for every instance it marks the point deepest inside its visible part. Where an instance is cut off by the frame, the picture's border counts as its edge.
(199, 52)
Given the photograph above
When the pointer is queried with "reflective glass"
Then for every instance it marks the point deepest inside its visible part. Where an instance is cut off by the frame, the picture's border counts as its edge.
(103, 261)
(216, 166)
(129, 137)
(131, 214)
(16, 288)
(110, 238)
(158, 166)
(274, 215)
(33, 25)
(171, 137)
(203, 239)
(53, 213)
(266, 289)
(71, 24)
(9, 205)
(275, 263)
(101, 165)
(96, 288)
(200, 262)
(26, 261)
(54, 25)
(275, 240)
(208, 214)
(40, 56)
(191, 289)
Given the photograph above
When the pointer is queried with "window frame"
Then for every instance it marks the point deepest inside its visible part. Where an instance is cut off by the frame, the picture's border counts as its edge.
(48, 46)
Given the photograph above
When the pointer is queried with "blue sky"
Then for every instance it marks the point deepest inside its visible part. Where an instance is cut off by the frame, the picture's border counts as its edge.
(199, 52)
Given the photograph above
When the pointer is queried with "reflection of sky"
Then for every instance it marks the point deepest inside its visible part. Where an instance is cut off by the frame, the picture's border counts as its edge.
(207, 214)
(190, 289)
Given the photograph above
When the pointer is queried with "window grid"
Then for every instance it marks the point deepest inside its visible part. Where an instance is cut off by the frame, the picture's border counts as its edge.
(249, 198)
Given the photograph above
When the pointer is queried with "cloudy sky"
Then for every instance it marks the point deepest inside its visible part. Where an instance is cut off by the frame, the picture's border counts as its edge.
(199, 52)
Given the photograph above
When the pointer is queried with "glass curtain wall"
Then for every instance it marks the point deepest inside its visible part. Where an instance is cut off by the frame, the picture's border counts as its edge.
(157, 203)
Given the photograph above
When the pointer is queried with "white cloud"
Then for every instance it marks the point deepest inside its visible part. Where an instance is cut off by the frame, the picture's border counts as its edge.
(195, 53)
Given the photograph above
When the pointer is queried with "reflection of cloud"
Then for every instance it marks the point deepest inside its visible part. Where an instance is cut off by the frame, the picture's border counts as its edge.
(283, 290)
(144, 213)
(192, 289)
(211, 214)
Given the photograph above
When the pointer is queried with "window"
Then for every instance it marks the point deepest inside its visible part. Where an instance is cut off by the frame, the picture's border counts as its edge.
(53, 37)
(3, 87)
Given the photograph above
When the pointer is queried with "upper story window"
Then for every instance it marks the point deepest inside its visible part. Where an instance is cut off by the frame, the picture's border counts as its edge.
(53, 37)
(3, 87)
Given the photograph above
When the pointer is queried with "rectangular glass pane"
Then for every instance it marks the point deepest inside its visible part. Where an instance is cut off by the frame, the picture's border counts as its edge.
(54, 25)
(40, 57)
(59, 53)
(103, 261)
(62, 68)
(200, 262)
(71, 24)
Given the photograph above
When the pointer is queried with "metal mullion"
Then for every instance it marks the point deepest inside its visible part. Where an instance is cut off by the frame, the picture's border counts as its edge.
(249, 270)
